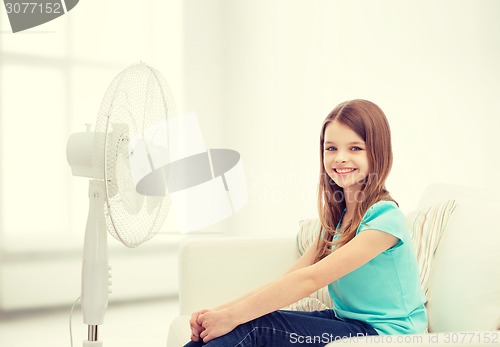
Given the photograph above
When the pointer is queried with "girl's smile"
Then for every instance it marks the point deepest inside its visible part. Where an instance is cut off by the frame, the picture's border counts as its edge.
(344, 171)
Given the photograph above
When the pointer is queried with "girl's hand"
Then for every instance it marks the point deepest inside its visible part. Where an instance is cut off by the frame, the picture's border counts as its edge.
(196, 328)
(215, 324)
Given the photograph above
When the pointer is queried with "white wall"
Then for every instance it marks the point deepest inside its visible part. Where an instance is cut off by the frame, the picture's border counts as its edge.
(264, 74)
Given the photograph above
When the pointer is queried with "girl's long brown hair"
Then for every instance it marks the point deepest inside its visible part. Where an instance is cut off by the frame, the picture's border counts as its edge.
(368, 121)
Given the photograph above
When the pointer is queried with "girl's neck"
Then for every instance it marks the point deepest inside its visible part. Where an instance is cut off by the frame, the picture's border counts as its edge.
(350, 201)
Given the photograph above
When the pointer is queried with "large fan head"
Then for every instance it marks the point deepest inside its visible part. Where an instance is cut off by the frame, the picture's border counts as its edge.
(131, 141)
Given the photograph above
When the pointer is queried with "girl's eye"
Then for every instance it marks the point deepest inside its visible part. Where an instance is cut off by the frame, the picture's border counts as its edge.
(330, 148)
(355, 148)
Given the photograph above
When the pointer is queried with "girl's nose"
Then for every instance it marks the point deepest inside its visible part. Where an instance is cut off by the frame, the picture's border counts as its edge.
(340, 159)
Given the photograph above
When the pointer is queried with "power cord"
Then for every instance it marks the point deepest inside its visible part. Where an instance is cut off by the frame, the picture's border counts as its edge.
(70, 315)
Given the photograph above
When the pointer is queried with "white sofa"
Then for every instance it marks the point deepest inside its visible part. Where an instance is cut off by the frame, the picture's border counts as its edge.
(463, 282)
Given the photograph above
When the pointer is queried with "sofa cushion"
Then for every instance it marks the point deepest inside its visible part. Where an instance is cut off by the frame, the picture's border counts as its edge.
(308, 232)
(426, 227)
(308, 304)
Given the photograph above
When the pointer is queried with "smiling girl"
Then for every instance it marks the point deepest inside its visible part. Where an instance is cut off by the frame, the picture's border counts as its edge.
(363, 253)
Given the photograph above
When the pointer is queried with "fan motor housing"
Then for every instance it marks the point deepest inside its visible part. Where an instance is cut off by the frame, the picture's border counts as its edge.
(79, 154)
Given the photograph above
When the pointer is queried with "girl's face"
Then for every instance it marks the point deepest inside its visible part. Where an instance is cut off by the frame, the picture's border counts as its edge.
(344, 156)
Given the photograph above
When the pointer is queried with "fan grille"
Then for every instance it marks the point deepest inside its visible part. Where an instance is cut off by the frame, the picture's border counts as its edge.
(136, 99)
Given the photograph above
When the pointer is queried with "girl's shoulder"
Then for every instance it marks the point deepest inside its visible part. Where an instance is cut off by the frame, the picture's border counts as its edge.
(383, 205)
(384, 215)
(385, 208)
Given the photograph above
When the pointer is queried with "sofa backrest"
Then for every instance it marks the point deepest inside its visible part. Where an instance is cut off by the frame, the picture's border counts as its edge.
(213, 271)
(464, 282)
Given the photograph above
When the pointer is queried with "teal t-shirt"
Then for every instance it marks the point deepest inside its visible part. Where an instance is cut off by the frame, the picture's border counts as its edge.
(385, 292)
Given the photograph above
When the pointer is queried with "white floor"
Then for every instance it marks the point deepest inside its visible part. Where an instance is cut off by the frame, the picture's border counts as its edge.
(134, 324)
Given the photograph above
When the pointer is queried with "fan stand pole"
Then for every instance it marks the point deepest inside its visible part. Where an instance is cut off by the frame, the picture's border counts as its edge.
(95, 271)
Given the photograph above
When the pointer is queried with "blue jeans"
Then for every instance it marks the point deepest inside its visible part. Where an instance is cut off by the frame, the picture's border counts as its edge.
(290, 328)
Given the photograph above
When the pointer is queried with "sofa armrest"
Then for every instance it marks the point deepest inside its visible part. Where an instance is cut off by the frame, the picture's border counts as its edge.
(179, 332)
(213, 271)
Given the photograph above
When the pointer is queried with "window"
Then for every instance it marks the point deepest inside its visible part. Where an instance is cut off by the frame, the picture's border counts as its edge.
(52, 80)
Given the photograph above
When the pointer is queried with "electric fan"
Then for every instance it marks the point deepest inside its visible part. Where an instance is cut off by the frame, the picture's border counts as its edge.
(128, 149)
